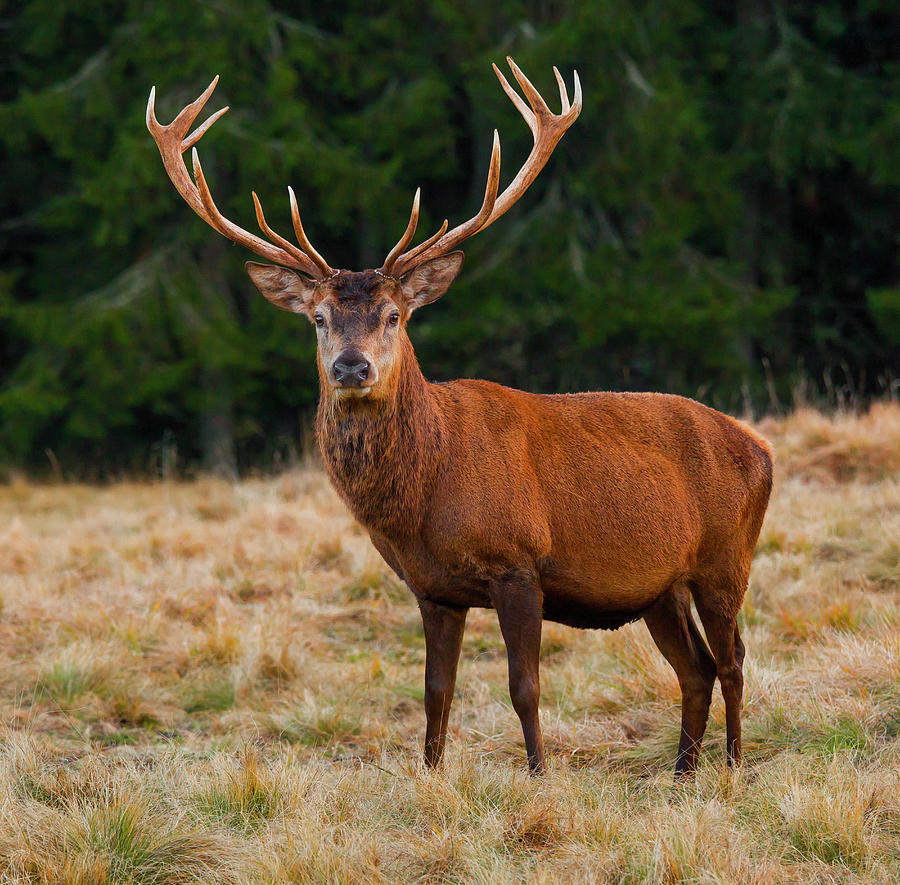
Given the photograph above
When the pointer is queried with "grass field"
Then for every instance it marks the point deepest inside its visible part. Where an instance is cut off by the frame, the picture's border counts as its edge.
(205, 682)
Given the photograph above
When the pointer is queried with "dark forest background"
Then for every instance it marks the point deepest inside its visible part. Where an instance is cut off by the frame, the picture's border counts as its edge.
(721, 222)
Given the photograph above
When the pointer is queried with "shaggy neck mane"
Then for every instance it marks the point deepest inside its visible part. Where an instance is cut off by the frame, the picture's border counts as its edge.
(381, 455)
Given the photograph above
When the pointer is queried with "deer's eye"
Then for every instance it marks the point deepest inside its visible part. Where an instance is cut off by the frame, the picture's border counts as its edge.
(319, 319)
(394, 318)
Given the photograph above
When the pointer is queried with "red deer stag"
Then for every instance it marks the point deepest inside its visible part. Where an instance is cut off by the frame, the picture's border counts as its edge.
(592, 509)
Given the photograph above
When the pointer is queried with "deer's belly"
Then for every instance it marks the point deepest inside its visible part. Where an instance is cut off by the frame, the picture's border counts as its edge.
(593, 601)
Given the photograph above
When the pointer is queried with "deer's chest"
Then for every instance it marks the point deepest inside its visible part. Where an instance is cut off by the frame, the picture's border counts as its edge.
(452, 566)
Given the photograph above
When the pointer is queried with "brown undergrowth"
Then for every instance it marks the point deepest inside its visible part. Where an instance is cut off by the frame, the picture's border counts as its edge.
(212, 682)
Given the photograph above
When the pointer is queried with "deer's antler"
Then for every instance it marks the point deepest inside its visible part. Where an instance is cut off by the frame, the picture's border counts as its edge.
(173, 140)
(547, 129)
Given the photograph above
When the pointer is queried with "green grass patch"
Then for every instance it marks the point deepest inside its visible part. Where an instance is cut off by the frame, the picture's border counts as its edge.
(212, 692)
(244, 798)
(66, 679)
(317, 727)
(814, 839)
(847, 734)
(123, 842)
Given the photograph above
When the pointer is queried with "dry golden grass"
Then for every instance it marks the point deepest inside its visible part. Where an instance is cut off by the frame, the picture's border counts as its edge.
(204, 682)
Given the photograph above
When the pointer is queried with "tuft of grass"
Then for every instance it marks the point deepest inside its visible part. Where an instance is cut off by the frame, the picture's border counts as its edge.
(537, 827)
(847, 733)
(67, 679)
(115, 838)
(316, 725)
(209, 692)
(243, 796)
(278, 665)
(220, 644)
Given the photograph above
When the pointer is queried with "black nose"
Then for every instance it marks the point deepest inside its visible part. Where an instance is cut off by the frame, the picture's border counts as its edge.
(351, 369)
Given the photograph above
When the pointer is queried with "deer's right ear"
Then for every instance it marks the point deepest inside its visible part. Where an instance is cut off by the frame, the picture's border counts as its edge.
(284, 288)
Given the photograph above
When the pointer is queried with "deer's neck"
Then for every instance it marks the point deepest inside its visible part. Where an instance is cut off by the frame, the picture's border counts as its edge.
(381, 455)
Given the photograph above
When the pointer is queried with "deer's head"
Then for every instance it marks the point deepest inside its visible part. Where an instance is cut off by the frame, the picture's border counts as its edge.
(360, 317)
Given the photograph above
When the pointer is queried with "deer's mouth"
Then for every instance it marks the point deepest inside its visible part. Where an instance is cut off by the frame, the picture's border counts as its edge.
(352, 392)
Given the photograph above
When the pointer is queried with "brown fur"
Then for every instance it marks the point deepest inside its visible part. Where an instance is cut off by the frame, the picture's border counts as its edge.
(590, 509)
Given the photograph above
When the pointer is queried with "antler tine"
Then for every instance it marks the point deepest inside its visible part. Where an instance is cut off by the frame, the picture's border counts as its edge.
(535, 99)
(577, 102)
(473, 225)
(202, 129)
(516, 99)
(173, 140)
(563, 94)
(185, 119)
(408, 234)
(152, 122)
(491, 186)
(271, 234)
(546, 128)
(418, 250)
(302, 239)
(213, 217)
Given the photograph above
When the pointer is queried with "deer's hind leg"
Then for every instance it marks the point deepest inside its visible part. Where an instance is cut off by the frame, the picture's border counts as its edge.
(718, 602)
(676, 635)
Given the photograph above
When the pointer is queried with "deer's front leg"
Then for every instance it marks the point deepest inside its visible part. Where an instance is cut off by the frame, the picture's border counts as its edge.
(444, 628)
(519, 603)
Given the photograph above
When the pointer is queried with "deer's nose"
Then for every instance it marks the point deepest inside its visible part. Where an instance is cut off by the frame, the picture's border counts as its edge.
(351, 369)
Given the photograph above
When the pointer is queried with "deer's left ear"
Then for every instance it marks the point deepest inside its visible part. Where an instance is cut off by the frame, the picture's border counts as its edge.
(428, 281)
(284, 288)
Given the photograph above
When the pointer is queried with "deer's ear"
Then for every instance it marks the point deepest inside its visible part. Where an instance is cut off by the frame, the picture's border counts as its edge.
(284, 288)
(428, 281)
